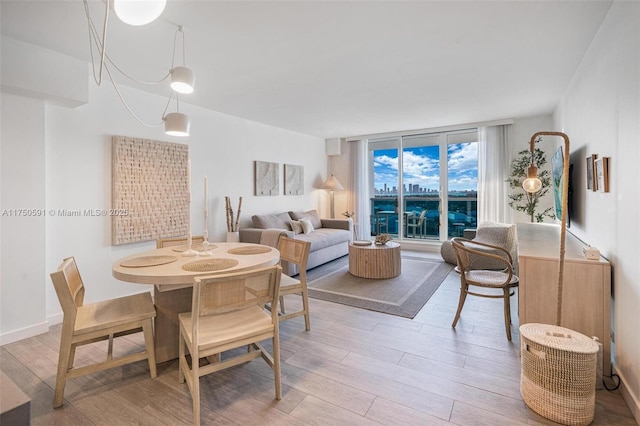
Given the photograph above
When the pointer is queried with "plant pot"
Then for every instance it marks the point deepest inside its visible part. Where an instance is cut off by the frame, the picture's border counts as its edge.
(233, 237)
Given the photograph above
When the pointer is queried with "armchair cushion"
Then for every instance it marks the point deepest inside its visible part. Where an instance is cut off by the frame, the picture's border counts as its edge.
(498, 234)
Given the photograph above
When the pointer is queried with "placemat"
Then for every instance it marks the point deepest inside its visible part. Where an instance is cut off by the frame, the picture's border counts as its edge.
(209, 265)
(196, 247)
(249, 250)
(139, 262)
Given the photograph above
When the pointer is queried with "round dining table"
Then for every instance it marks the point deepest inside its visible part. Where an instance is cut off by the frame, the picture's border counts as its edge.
(172, 271)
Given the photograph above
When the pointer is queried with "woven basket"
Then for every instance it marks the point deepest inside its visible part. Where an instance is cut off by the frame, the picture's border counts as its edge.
(558, 373)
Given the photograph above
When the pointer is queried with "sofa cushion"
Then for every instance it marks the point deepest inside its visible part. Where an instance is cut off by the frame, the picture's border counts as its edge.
(312, 215)
(307, 227)
(296, 226)
(324, 237)
(266, 221)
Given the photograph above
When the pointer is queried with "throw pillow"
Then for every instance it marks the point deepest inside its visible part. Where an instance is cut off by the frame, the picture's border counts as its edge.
(312, 215)
(296, 226)
(307, 227)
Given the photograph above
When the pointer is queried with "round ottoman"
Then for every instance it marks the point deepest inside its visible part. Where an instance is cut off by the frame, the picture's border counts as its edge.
(558, 373)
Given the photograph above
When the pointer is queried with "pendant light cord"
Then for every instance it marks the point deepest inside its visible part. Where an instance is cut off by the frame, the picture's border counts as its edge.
(101, 46)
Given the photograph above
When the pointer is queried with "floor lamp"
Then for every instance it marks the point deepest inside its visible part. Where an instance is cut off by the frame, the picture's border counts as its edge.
(532, 184)
(567, 398)
(332, 184)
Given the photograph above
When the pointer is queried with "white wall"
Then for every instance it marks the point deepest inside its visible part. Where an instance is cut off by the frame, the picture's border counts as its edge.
(601, 114)
(22, 262)
(67, 153)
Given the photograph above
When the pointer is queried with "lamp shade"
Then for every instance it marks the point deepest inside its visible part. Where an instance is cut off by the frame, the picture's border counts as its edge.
(138, 12)
(333, 184)
(176, 124)
(182, 80)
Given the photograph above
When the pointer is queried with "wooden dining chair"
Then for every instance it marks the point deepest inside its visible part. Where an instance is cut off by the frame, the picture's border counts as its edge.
(179, 241)
(227, 313)
(297, 252)
(88, 323)
(469, 252)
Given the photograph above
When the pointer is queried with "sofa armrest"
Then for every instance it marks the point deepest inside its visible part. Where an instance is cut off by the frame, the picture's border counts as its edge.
(346, 224)
(254, 235)
(250, 235)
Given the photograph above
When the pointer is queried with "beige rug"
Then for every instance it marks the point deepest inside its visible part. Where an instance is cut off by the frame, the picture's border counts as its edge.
(403, 295)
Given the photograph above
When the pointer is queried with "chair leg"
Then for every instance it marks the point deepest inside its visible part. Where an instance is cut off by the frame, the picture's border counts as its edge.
(305, 306)
(195, 395)
(276, 364)
(147, 330)
(282, 305)
(463, 296)
(64, 359)
(507, 313)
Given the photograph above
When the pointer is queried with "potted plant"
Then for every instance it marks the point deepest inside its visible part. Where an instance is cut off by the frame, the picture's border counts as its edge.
(523, 201)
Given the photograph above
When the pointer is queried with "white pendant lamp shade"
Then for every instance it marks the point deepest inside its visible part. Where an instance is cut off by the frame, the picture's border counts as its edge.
(182, 80)
(176, 124)
(138, 12)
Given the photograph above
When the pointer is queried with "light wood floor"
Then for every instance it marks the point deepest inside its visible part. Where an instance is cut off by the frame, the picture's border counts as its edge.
(355, 367)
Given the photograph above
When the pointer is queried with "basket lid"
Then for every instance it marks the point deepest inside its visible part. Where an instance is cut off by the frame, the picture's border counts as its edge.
(553, 336)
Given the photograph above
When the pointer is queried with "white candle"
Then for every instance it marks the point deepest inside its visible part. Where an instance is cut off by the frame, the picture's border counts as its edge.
(206, 201)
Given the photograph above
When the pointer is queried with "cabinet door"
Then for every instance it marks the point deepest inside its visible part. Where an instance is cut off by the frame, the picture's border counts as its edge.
(538, 290)
(583, 295)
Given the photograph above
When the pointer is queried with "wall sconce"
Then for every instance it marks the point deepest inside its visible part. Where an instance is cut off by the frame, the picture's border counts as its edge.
(532, 184)
(332, 184)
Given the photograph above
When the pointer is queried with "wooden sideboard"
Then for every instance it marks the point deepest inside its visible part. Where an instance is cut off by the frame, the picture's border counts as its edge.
(586, 295)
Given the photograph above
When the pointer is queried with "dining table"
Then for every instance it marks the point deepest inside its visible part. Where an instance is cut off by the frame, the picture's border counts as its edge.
(172, 270)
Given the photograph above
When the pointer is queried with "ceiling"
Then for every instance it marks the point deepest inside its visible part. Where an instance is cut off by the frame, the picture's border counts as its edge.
(336, 69)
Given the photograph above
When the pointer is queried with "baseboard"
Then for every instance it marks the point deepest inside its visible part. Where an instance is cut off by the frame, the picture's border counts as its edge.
(630, 398)
(24, 333)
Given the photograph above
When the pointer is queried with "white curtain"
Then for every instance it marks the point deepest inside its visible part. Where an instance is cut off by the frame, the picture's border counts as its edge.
(494, 162)
(359, 195)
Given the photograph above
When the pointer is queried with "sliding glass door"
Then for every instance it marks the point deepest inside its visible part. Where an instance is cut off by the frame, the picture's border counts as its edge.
(424, 185)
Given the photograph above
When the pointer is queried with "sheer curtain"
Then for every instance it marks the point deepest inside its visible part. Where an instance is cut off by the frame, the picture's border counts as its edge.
(359, 195)
(494, 163)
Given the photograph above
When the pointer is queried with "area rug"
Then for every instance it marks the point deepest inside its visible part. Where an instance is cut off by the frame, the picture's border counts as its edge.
(403, 295)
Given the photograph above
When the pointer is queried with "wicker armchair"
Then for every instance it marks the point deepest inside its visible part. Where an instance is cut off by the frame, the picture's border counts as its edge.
(470, 254)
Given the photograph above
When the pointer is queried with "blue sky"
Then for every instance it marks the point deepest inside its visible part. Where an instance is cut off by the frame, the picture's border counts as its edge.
(422, 167)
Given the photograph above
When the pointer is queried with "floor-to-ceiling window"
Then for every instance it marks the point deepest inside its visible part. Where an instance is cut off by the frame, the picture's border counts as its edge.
(424, 185)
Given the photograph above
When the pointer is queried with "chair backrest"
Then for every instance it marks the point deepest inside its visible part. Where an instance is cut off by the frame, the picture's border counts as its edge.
(69, 287)
(179, 241)
(469, 252)
(217, 294)
(295, 251)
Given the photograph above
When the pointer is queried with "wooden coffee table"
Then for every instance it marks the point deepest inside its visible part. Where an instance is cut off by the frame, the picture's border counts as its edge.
(375, 261)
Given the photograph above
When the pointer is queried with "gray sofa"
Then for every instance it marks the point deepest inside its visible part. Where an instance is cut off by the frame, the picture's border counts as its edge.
(329, 238)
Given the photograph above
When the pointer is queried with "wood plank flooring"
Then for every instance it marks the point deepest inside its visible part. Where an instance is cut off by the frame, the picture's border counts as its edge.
(355, 367)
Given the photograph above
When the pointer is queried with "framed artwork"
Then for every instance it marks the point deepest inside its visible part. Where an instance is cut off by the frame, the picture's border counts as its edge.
(557, 169)
(266, 178)
(293, 180)
(592, 184)
(602, 174)
(149, 190)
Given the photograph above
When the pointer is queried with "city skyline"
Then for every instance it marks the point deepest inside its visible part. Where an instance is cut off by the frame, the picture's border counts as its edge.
(422, 168)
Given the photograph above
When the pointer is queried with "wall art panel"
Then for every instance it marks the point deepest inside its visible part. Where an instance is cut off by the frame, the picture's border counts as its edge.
(149, 190)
